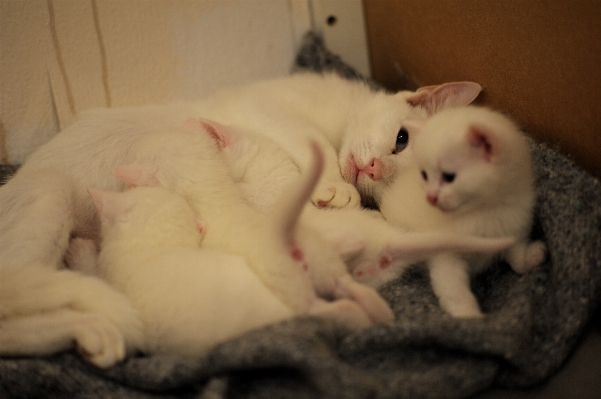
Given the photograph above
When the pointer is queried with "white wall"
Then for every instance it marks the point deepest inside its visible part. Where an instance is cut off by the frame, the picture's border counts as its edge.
(59, 57)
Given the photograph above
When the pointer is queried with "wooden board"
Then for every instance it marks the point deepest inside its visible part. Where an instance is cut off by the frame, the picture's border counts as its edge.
(539, 61)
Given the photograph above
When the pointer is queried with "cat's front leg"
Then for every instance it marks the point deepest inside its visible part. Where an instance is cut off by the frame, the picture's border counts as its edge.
(333, 191)
(450, 279)
(525, 256)
(95, 337)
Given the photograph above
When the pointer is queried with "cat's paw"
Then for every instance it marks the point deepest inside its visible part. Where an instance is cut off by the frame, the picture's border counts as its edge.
(535, 255)
(98, 340)
(528, 257)
(81, 255)
(467, 308)
(335, 195)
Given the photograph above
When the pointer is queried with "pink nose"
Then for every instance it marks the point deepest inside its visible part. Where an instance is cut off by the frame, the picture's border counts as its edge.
(432, 198)
(374, 170)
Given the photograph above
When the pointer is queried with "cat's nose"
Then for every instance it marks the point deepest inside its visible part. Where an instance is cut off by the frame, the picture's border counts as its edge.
(374, 170)
(432, 198)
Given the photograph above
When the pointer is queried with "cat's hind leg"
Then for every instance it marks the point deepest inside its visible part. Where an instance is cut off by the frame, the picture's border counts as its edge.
(525, 256)
(36, 218)
(344, 311)
(94, 336)
(450, 279)
(370, 301)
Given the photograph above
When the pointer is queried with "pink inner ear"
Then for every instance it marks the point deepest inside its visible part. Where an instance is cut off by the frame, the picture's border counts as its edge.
(447, 95)
(218, 131)
(481, 140)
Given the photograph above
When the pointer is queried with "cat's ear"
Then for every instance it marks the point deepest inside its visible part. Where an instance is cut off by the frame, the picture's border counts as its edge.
(110, 205)
(436, 98)
(137, 174)
(484, 141)
(217, 131)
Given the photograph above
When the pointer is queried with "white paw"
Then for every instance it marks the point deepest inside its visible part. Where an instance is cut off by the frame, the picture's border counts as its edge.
(98, 340)
(335, 195)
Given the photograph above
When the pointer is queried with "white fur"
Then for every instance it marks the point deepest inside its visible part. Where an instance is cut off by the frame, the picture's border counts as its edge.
(491, 195)
(46, 202)
(189, 299)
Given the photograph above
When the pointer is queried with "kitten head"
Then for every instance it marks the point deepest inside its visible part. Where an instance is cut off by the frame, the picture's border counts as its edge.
(470, 158)
(377, 143)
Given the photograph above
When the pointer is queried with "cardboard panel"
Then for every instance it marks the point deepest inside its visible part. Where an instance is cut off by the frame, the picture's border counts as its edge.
(539, 61)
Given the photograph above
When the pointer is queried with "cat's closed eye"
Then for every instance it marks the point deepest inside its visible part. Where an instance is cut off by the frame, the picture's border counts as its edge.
(402, 140)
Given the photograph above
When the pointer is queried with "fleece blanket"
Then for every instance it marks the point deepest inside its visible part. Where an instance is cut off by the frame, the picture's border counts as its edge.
(532, 324)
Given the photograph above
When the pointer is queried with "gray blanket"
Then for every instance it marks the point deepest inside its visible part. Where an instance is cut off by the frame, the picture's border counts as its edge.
(533, 322)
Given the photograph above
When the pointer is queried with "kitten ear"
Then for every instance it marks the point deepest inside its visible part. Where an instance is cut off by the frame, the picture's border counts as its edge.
(137, 174)
(484, 141)
(447, 95)
(219, 132)
(110, 205)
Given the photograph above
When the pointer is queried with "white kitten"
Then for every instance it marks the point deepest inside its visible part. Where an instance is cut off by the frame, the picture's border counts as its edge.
(476, 178)
(189, 299)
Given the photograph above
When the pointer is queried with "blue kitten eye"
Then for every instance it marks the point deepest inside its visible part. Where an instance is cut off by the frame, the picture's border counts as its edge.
(402, 140)
(424, 175)
(448, 177)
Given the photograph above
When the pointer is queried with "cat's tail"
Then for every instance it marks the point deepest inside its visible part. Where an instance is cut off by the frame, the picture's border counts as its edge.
(32, 290)
(420, 246)
(288, 208)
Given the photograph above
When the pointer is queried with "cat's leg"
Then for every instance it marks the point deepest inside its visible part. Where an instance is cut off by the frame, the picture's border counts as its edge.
(343, 311)
(450, 279)
(36, 218)
(332, 190)
(82, 256)
(95, 337)
(370, 301)
(525, 256)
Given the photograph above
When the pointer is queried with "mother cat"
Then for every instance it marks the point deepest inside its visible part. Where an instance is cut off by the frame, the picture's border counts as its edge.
(46, 201)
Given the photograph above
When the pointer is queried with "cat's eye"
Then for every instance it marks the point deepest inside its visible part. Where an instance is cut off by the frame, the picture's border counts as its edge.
(402, 140)
(448, 177)
(424, 175)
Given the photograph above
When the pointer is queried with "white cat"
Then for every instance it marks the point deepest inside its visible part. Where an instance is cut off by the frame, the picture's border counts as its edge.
(46, 202)
(361, 130)
(472, 175)
(189, 299)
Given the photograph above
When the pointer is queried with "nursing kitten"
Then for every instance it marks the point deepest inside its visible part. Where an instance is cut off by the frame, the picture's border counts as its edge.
(189, 299)
(271, 243)
(472, 175)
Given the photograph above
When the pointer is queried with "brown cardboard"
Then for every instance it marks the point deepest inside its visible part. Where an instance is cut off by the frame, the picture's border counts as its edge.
(539, 61)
